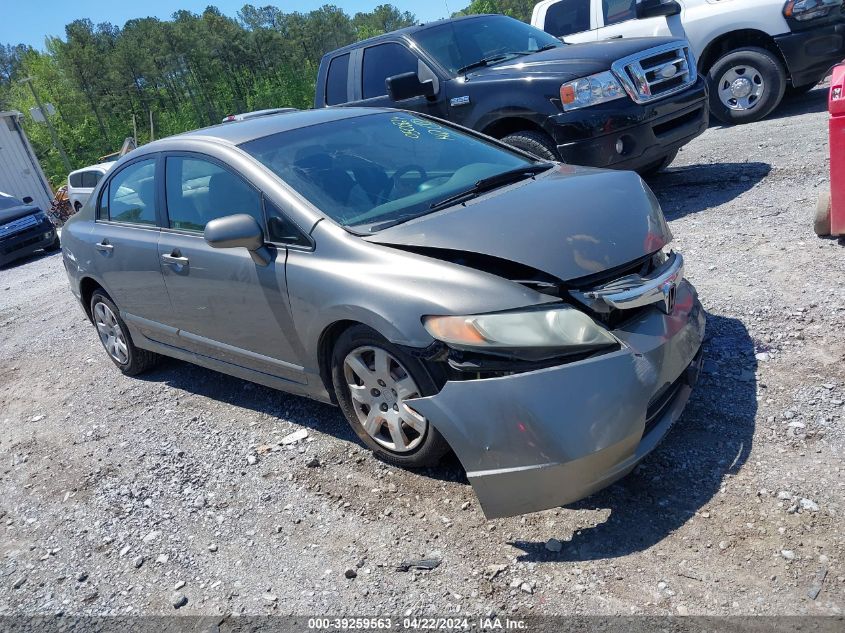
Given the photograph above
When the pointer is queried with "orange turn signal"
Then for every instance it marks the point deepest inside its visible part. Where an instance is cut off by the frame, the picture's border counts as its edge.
(453, 329)
(567, 93)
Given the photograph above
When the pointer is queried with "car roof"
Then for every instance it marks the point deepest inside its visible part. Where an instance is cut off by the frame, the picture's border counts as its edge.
(237, 132)
(408, 30)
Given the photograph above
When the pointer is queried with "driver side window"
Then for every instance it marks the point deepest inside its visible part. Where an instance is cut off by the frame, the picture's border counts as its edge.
(616, 11)
(567, 17)
(383, 61)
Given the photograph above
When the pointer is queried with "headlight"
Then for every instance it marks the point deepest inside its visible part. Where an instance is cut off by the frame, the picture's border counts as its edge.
(591, 90)
(808, 9)
(559, 327)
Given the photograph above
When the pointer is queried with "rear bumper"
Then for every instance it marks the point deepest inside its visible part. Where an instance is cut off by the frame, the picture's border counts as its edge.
(26, 242)
(810, 54)
(649, 132)
(542, 439)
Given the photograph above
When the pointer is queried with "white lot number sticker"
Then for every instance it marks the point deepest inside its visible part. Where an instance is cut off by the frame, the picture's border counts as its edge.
(411, 128)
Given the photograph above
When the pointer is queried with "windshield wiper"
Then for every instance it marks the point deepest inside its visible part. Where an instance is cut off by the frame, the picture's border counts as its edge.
(490, 183)
(547, 47)
(485, 61)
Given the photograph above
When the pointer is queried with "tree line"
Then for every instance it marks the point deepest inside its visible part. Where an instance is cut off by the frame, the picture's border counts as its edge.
(189, 71)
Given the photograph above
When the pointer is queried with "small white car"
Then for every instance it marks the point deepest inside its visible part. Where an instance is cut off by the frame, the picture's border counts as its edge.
(81, 183)
(752, 51)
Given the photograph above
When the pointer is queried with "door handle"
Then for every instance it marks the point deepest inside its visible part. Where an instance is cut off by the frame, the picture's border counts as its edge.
(104, 246)
(615, 37)
(174, 259)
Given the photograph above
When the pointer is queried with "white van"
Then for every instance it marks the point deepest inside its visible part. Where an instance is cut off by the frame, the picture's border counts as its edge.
(81, 183)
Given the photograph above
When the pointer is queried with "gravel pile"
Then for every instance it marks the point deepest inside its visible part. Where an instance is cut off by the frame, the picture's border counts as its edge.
(192, 491)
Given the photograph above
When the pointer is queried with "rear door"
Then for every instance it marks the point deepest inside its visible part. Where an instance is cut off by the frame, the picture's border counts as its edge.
(125, 242)
(225, 305)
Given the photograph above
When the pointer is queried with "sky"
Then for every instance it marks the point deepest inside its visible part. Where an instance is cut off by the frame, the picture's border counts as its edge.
(30, 21)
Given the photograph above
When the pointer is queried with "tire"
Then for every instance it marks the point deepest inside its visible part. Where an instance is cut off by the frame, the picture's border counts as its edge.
(535, 143)
(663, 163)
(77, 206)
(821, 223)
(136, 360)
(765, 76)
(423, 448)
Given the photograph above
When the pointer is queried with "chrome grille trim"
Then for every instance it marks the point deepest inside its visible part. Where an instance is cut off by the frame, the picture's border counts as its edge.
(16, 226)
(640, 74)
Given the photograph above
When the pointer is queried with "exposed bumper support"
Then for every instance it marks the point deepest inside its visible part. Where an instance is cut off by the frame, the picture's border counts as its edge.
(542, 439)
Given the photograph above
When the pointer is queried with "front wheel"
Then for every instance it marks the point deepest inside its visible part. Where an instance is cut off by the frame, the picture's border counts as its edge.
(373, 379)
(746, 85)
(535, 143)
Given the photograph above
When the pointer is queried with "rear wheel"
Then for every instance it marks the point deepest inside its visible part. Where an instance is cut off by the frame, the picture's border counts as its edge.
(533, 142)
(746, 85)
(821, 223)
(372, 380)
(114, 335)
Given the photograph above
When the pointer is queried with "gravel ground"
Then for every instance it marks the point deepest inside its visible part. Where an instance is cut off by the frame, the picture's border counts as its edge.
(176, 490)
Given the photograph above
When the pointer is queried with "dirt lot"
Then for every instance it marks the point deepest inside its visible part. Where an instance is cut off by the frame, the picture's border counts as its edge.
(121, 495)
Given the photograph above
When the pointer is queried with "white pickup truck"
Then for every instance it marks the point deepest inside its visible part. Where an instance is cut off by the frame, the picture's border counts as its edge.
(752, 51)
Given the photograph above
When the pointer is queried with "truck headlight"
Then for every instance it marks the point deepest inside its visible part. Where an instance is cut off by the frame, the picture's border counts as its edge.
(561, 327)
(589, 91)
(808, 9)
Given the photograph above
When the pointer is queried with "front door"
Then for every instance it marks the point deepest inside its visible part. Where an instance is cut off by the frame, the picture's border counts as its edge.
(374, 64)
(619, 19)
(226, 306)
(573, 21)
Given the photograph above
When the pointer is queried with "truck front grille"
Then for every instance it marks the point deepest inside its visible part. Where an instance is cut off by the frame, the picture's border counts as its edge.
(657, 72)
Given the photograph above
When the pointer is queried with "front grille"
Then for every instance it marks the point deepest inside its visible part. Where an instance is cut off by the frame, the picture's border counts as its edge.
(16, 226)
(657, 72)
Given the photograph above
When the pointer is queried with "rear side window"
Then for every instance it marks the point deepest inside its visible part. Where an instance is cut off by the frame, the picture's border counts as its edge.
(336, 80)
(568, 16)
(616, 11)
(90, 178)
(131, 195)
(199, 191)
(383, 61)
(76, 179)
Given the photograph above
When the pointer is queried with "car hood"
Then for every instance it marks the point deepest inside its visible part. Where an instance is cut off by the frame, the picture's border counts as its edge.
(569, 222)
(13, 213)
(571, 61)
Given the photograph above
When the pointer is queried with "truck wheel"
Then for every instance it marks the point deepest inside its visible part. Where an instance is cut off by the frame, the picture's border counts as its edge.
(821, 224)
(535, 143)
(745, 85)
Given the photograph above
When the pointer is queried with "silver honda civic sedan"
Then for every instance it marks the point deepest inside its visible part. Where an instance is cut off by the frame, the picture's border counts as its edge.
(446, 291)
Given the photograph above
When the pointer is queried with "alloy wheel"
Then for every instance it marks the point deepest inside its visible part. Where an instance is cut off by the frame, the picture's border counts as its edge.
(379, 385)
(111, 334)
(741, 87)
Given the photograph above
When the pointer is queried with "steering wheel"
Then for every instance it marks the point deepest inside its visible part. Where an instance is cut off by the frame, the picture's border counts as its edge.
(407, 169)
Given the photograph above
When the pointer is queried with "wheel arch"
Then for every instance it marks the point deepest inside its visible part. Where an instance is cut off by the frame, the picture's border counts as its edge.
(325, 347)
(504, 126)
(87, 287)
(733, 40)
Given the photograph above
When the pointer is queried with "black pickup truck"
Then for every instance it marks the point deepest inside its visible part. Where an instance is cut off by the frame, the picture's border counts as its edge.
(624, 104)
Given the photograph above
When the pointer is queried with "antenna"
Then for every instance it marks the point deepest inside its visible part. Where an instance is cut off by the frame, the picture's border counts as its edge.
(448, 13)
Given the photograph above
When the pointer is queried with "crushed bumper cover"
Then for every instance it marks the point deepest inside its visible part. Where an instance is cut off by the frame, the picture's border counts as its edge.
(546, 438)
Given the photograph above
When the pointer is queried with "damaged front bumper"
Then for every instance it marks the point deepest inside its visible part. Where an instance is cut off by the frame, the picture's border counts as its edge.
(545, 438)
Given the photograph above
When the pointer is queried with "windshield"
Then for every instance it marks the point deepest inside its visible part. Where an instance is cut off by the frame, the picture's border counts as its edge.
(460, 44)
(8, 202)
(382, 167)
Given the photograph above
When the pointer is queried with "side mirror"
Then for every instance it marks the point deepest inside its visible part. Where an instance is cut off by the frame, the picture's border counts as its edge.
(657, 8)
(27, 199)
(407, 86)
(238, 231)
